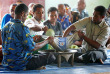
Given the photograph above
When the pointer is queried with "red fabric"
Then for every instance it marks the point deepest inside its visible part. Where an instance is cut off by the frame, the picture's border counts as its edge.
(4, 5)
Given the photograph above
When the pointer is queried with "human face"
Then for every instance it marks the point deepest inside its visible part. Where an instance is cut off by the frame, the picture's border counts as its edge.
(38, 14)
(24, 16)
(108, 10)
(97, 18)
(12, 10)
(61, 10)
(52, 16)
(81, 5)
(68, 10)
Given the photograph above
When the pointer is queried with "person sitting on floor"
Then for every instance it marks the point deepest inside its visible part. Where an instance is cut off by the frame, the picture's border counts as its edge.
(97, 33)
(30, 12)
(18, 45)
(7, 17)
(52, 22)
(81, 9)
(35, 24)
(62, 17)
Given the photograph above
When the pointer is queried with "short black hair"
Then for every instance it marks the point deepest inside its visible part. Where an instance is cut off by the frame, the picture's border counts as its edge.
(101, 10)
(37, 6)
(67, 5)
(20, 8)
(52, 9)
(12, 6)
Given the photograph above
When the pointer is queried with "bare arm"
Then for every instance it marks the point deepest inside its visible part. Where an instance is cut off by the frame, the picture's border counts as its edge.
(92, 43)
(36, 28)
(40, 44)
(68, 30)
(0, 38)
(43, 43)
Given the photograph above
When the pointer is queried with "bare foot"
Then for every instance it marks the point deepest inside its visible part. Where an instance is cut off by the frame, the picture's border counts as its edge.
(100, 60)
(43, 67)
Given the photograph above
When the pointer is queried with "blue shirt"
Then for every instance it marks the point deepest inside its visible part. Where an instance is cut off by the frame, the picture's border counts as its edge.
(64, 21)
(17, 45)
(5, 19)
(83, 14)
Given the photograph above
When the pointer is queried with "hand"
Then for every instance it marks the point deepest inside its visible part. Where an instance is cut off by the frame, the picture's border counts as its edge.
(50, 39)
(45, 28)
(37, 38)
(108, 46)
(81, 34)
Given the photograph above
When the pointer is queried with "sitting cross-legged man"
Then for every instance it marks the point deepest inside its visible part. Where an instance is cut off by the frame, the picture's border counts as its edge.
(18, 45)
(95, 38)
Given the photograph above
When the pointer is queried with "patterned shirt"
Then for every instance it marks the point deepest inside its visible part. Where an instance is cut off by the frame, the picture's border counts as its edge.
(17, 45)
(64, 21)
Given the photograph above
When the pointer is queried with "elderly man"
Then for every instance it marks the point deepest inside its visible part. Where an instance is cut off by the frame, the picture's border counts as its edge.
(7, 17)
(97, 33)
(63, 18)
(30, 11)
(81, 9)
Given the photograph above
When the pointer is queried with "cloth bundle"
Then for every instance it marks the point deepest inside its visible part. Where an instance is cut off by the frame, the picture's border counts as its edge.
(63, 43)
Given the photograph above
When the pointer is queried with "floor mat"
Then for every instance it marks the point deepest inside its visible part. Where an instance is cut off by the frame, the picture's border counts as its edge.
(66, 68)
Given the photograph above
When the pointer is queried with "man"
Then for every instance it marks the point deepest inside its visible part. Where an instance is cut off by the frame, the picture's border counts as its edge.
(63, 18)
(52, 22)
(81, 9)
(7, 17)
(18, 45)
(107, 18)
(97, 33)
(35, 24)
(30, 12)
(68, 13)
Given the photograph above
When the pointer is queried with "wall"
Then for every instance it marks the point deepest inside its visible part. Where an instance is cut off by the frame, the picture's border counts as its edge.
(49, 3)
(90, 4)
(4, 5)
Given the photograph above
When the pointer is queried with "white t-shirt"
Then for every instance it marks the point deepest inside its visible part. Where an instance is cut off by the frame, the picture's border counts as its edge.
(32, 23)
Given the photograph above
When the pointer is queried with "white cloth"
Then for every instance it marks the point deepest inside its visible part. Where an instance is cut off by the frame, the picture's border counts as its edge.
(32, 23)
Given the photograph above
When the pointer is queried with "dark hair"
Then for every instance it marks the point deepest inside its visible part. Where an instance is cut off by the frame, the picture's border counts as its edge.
(20, 8)
(37, 6)
(101, 10)
(52, 9)
(66, 5)
(14, 4)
